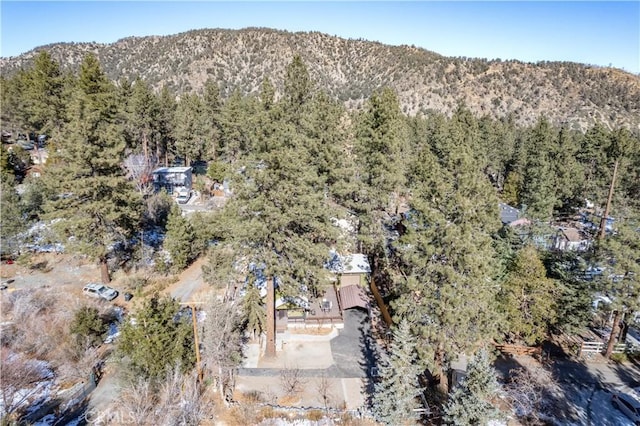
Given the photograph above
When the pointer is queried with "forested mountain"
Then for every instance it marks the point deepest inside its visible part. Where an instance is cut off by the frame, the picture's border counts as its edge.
(420, 195)
(351, 70)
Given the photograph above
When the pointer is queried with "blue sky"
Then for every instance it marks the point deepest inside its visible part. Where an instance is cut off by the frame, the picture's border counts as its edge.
(599, 33)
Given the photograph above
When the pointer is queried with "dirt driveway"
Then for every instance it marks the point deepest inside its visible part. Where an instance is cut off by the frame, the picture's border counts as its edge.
(61, 271)
(190, 283)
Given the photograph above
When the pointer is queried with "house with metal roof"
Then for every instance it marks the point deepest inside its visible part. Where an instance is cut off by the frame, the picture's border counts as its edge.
(172, 179)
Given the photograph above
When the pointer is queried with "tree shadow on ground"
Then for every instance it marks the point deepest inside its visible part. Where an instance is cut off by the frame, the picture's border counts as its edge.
(628, 372)
(557, 388)
(369, 359)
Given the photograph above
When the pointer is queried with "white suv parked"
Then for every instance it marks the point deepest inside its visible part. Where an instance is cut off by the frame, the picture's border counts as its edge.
(100, 291)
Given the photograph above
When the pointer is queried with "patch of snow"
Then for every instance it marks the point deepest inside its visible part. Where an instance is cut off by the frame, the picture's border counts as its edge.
(356, 263)
(112, 333)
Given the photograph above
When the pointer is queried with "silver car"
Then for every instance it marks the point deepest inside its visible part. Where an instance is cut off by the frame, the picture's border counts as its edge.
(100, 291)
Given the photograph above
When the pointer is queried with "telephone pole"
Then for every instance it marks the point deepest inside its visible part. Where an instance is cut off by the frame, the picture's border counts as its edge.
(607, 209)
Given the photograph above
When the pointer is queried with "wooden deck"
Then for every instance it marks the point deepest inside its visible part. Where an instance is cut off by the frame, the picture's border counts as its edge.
(326, 308)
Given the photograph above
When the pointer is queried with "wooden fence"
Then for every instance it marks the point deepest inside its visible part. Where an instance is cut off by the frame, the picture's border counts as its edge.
(519, 349)
(590, 348)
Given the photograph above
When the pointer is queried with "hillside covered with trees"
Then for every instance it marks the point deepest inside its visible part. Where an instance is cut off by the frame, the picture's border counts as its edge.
(422, 190)
(351, 70)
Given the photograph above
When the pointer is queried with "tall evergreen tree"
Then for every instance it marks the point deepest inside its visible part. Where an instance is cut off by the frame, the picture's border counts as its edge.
(528, 298)
(166, 124)
(622, 252)
(297, 90)
(446, 258)
(45, 96)
(11, 220)
(96, 203)
(471, 401)
(539, 191)
(145, 111)
(325, 135)
(234, 125)
(253, 312)
(395, 400)
(592, 156)
(381, 139)
(213, 105)
(574, 311)
(569, 175)
(179, 240)
(280, 215)
(190, 131)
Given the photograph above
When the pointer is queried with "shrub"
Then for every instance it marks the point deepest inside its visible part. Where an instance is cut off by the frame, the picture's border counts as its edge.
(315, 415)
(619, 358)
(88, 327)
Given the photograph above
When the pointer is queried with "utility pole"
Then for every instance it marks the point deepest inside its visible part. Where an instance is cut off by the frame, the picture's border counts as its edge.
(195, 338)
(607, 209)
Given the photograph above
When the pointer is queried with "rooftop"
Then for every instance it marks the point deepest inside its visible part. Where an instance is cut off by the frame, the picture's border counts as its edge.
(172, 170)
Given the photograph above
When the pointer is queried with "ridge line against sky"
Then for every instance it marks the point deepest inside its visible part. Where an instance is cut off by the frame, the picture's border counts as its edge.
(591, 32)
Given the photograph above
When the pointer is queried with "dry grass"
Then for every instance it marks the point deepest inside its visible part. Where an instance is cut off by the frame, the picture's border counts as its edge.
(316, 331)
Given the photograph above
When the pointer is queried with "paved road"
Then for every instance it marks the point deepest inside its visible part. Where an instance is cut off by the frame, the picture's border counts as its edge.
(582, 391)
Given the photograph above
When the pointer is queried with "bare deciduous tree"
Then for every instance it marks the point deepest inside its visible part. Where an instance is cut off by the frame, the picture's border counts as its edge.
(140, 170)
(180, 400)
(222, 342)
(323, 387)
(291, 380)
(20, 379)
(528, 391)
(138, 400)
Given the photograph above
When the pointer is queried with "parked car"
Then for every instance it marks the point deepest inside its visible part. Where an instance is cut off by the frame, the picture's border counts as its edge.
(629, 404)
(183, 196)
(100, 291)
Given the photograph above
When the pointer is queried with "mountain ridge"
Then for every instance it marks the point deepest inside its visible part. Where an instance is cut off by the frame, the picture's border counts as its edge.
(351, 69)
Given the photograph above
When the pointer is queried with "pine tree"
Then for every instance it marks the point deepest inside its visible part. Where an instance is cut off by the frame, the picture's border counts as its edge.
(253, 312)
(396, 393)
(234, 125)
(166, 123)
(298, 90)
(446, 256)
(45, 95)
(538, 189)
(11, 220)
(280, 216)
(498, 139)
(159, 339)
(592, 156)
(213, 105)
(96, 203)
(381, 141)
(190, 131)
(471, 401)
(325, 135)
(145, 111)
(179, 239)
(622, 252)
(88, 328)
(574, 310)
(569, 175)
(528, 298)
